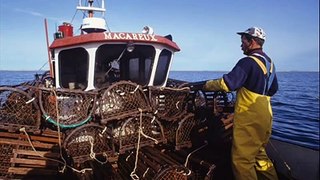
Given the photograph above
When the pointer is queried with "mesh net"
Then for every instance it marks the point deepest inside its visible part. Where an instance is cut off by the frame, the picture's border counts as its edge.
(5, 155)
(216, 100)
(121, 100)
(173, 173)
(151, 164)
(178, 133)
(67, 108)
(18, 109)
(88, 142)
(169, 103)
(126, 134)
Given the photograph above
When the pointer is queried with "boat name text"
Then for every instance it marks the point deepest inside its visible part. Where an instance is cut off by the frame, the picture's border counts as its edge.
(131, 36)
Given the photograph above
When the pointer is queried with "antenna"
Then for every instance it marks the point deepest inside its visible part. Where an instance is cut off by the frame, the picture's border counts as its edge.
(92, 24)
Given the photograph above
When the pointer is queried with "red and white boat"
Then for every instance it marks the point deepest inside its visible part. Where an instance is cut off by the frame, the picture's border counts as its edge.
(107, 110)
(87, 60)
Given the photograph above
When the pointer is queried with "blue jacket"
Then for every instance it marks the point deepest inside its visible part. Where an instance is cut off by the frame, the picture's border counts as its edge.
(248, 74)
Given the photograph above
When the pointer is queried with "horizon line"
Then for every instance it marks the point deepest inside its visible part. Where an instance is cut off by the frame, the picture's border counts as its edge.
(174, 70)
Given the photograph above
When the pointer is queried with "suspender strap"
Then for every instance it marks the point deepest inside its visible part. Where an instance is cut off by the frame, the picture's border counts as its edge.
(268, 71)
(260, 63)
(267, 62)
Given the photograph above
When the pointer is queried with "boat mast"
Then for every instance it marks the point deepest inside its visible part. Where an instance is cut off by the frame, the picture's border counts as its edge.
(48, 49)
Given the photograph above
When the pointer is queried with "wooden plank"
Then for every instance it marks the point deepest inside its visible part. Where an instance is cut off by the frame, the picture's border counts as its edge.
(51, 133)
(33, 153)
(26, 143)
(44, 162)
(31, 171)
(32, 137)
(10, 135)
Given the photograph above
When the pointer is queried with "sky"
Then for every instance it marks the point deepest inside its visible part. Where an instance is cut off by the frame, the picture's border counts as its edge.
(205, 30)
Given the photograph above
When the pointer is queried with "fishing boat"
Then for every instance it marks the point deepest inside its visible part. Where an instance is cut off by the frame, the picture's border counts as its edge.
(106, 109)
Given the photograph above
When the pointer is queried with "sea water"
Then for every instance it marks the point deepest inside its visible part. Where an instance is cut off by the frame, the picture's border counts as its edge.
(295, 105)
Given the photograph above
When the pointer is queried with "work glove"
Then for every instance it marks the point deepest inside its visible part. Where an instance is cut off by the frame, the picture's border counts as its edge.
(216, 85)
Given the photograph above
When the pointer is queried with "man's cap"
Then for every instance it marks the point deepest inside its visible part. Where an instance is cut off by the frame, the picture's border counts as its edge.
(254, 32)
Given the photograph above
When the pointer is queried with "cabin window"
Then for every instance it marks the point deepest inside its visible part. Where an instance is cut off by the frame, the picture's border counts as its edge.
(162, 67)
(139, 64)
(116, 62)
(107, 64)
(73, 68)
(139, 70)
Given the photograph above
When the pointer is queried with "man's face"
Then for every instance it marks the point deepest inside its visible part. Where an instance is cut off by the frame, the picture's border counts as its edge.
(245, 45)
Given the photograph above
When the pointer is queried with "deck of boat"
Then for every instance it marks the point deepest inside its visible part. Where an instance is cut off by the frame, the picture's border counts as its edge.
(303, 162)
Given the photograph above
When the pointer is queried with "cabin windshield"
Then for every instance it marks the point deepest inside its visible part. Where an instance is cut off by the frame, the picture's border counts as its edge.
(116, 62)
(162, 67)
(73, 68)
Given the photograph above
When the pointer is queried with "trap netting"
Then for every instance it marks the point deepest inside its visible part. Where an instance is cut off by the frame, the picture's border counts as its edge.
(168, 103)
(215, 110)
(217, 101)
(121, 100)
(151, 163)
(18, 109)
(89, 142)
(67, 108)
(143, 129)
(178, 132)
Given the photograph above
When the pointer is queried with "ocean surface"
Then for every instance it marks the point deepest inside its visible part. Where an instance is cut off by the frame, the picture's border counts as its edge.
(295, 106)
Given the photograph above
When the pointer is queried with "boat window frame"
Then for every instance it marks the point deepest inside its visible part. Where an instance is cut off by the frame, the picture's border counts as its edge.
(162, 70)
(77, 74)
(143, 54)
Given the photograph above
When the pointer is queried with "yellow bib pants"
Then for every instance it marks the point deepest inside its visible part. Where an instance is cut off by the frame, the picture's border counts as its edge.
(251, 133)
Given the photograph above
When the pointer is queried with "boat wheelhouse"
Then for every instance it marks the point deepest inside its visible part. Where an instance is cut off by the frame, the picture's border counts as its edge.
(96, 58)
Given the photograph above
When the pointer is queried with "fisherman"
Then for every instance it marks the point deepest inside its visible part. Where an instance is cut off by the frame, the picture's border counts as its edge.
(254, 79)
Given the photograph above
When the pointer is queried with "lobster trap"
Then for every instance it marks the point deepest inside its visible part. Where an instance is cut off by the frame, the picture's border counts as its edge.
(89, 142)
(215, 102)
(121, 100)
(214, 111)
(169, 104)
(18, 109)
(195, 160)
(35, 155)
(150, 163)
(179, 133)
(67, 108)
(138, 131)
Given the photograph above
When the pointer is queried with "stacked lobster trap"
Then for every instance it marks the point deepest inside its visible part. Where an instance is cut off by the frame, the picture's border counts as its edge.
(118, 129)
(125, 110)
(151, 163)
(27, 148)
(170, 107)
(18, 109)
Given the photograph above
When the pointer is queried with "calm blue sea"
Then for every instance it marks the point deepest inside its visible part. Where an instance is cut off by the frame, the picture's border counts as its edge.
(295, 106)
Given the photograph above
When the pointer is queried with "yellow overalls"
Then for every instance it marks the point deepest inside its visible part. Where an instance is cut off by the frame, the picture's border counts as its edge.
(251, 131)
